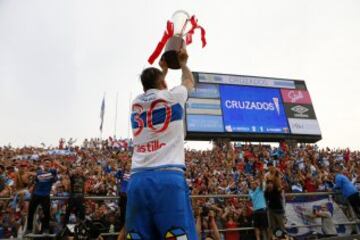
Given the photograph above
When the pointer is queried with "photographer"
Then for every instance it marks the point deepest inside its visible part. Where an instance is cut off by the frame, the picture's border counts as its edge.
(327, 224)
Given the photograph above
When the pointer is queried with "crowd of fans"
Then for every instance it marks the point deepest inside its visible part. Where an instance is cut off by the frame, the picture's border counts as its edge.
(228, 168)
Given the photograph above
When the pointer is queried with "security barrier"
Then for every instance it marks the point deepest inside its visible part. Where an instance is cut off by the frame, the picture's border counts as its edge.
(241, 196)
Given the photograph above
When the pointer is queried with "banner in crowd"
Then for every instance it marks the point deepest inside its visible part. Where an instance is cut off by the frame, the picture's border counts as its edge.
(299, 212)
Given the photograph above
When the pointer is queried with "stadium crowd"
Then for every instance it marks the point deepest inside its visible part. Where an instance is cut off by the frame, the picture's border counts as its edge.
(228, 168)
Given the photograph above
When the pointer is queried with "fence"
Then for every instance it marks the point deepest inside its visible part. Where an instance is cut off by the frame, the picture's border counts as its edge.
(241, 196)
(311, 194)
(245, 196)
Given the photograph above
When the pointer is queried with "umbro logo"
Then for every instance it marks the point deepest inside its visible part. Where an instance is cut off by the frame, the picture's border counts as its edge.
(300, 109)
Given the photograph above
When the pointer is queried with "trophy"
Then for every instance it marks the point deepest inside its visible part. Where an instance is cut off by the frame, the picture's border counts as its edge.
(181, 26)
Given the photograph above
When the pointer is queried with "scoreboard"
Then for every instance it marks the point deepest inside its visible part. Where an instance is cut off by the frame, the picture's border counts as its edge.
(249, 108)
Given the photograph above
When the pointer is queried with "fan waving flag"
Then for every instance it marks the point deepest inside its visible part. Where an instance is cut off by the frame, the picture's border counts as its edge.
(102, 113)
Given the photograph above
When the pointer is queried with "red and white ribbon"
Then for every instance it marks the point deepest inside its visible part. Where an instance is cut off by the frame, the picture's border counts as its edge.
(170, 32)
(167, 35)
(195, 25)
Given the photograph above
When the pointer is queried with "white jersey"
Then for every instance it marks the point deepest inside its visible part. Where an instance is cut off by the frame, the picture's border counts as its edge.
(158, 129)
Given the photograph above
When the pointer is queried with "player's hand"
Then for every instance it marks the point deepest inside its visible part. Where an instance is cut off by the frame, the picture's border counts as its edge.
(182, 57)
(163, 65)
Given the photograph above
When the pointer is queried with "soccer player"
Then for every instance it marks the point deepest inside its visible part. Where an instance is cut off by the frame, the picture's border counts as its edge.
(158, 205)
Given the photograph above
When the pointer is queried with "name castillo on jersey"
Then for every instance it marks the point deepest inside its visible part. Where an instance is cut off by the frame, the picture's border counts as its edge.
(151, 146)
(158, 130)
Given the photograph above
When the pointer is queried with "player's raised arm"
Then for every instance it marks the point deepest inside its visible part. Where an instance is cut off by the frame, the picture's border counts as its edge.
(164, 67)
(187, 78)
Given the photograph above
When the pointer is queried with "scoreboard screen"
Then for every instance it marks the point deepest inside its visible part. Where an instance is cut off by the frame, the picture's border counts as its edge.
(250, 108)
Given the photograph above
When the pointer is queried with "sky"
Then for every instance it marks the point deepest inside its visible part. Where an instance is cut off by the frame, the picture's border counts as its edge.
(59, 58)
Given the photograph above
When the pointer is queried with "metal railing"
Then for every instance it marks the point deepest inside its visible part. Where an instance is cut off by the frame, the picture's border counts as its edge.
(241, 196)
(245, 196)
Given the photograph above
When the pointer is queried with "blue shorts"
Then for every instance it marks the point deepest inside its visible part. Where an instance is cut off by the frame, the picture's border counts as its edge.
(159, 207)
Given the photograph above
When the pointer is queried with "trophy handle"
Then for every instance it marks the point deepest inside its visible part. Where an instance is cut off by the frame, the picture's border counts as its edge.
(180, 17)
(181, 11)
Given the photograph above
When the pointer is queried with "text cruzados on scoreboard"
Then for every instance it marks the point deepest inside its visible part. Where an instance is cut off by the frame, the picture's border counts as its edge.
(250, 105)
(253, 109)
